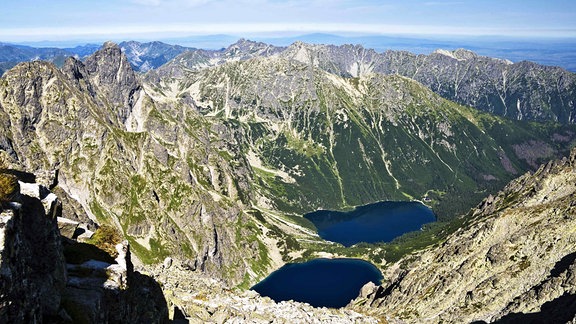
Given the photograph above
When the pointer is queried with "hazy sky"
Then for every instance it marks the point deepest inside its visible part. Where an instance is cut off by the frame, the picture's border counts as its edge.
(34, 20)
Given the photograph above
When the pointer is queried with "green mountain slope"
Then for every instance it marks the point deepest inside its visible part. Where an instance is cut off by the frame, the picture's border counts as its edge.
(156, 172)
(316, 140)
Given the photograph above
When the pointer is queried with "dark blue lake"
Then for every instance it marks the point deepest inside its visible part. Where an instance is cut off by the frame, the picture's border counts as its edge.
(378, 222)
(320, 282)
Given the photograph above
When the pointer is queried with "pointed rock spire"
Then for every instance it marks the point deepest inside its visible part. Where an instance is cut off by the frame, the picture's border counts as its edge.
(110, 71)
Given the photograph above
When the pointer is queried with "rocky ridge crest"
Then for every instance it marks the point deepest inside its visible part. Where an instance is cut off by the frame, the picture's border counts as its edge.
(522, 91)
(514, 260)
(38, 284)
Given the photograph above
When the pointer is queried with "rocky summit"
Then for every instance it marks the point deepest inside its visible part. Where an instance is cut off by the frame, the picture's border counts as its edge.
(187, 184)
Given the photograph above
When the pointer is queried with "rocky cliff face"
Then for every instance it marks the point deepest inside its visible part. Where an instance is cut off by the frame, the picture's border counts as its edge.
(172, 182)
(523, 91)
(32, 266)
(513, 261)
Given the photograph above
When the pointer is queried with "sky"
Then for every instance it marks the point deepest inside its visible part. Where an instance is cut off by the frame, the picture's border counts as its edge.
(58, 20)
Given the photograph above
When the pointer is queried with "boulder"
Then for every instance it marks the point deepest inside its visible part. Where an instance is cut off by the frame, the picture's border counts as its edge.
(67, 227)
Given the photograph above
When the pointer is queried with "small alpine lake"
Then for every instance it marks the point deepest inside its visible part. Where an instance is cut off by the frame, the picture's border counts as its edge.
(320, 282)
(378, 222)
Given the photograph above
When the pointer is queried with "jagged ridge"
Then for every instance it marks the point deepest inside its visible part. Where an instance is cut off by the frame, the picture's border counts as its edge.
(523, 90)
(513, 261)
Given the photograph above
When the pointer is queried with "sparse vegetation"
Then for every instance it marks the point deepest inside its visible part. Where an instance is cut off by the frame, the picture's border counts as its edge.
(106, 237)
(9, 186)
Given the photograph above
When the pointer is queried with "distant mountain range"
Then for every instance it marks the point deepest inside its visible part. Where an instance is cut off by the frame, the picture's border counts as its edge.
(142, 56)
(556, 52)
(523, 91)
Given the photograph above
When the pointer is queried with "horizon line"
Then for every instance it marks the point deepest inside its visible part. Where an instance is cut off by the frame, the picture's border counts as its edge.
(183, 40)
(270, 30)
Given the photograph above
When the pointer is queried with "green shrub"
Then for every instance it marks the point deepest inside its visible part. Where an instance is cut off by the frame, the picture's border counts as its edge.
(106, 238)
(9, 187)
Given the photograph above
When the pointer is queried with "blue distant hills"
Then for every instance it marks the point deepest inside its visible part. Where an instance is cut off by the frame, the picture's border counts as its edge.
(547, 51)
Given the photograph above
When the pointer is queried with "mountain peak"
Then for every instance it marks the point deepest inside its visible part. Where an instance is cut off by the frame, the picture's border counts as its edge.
(109, 70)
(110, 44)
(460, 54)
(246, 44)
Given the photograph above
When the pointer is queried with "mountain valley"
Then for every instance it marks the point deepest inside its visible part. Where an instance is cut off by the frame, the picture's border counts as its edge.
(205, 161)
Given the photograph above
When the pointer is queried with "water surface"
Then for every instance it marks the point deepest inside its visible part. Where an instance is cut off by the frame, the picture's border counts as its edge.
(378, 222)
(320, 282)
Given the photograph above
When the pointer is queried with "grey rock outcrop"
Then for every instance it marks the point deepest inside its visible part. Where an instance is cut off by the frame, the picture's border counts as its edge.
(38, 286)
(32, 266)
(102, 292)
(111, 73)
(67, 227)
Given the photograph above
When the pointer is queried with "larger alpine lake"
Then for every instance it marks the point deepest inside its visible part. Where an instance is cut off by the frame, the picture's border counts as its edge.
(335, 282)
(378, 222)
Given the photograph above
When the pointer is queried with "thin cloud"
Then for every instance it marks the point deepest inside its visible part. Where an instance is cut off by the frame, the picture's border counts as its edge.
(158, 3)
(151, 31)
(444, 3)
(154, 18)
(147, 2)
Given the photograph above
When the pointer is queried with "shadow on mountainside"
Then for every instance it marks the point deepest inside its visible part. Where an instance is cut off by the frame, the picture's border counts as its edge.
(563, 264)
(89, 297)
(559, 310)
(21, 175)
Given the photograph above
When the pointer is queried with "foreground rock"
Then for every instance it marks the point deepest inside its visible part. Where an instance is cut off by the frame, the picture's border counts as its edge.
(32, 267)
(514, 260)
(37, 283)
